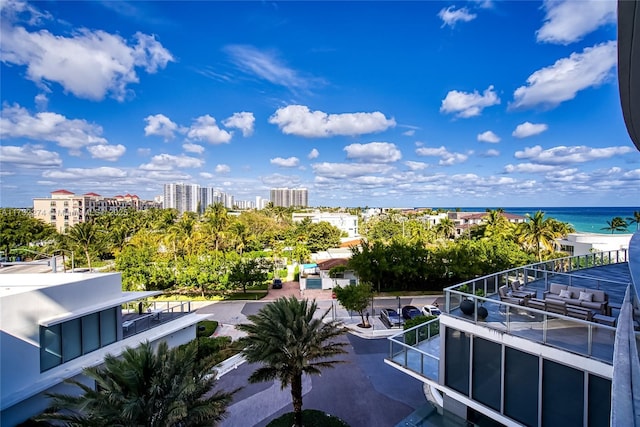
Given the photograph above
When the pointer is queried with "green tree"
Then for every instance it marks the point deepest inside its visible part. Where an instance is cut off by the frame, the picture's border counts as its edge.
(537, 233)
(356, 298)
(322, 236)
(20, 228)
(216, 223)
(89, 237)
(290, 342)
(445, 229)
(249, 271)
(635, 219)
(616, 224)
(167, 387)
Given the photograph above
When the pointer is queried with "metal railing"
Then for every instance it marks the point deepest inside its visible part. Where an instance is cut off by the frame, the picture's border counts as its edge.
(151, 314)
(417, 349)
(411, 349)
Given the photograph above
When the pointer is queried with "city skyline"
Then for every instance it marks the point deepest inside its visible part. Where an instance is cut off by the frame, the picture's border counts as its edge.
(466, 104)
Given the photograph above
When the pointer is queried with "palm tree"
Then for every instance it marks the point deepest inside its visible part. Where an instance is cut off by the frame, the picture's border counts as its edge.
(616, 224)
(167, 387)
(496, 224)
(286, 338)
(538, 233)
(88, 236)
(635, 218)
(446, 228)
(216, 222)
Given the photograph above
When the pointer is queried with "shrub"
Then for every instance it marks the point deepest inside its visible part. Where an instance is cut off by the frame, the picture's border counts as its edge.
(206, 328)
(423, 333)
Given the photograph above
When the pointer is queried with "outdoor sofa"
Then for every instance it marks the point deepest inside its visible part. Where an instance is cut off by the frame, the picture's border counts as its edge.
(591, 299)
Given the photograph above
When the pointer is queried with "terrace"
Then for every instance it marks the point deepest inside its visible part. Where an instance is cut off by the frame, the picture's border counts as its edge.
(417, 350)
(142, 315)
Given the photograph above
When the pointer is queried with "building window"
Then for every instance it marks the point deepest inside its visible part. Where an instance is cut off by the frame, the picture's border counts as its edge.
(71, 339)
(521, 374)
(562, 395)
(456, 369)
(487, 372)
(599, 406)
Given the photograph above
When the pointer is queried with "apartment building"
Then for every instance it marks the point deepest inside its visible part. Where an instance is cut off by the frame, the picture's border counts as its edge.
(290, 197)
(345, 222)
(64, 209)
(55, 325)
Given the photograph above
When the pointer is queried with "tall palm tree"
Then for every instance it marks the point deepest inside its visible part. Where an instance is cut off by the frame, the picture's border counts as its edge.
(537, 233)
(635, 219)
(446, 228)
(496, 224)
(167, 387)
(286, 338)
(616, 224)
(216, 222)
(89, 237)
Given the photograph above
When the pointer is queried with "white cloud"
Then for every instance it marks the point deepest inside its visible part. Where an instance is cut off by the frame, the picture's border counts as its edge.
(313, 154)
(447, 158)
(290, 162)
(92, 173)
(243, 121)
(42, 101)
(374, 152)
(143, 151)
(567, 21)
(348, 170)
(89, 64)
(409, 132)
(267, 66)
(527, 129)
(167, 162)
(160, 125)
(528, 168)
(467, 105)
(490, 153)
(30, 156)
(107, 152)
(561, 81)
(204, 128)
(16, 122)
(299, 120)
(450, 16)
(415, 166)
(221, 168)
(567, 155)
(193, 148)
(489, 137)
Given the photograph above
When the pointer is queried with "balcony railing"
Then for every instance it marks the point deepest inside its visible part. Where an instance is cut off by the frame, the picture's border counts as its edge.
(143, 315)
(418, 348)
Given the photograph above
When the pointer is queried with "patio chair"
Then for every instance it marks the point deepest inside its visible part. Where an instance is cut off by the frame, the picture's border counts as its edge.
(503, 292)
(520, 292)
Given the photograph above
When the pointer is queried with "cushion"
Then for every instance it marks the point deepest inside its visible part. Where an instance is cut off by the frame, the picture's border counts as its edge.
(555, 288)
(565, 294)
(599, 296)
(516, 285)
(586, 296)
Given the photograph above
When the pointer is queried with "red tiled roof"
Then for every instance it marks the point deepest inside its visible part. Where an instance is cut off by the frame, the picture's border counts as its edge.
(350, 243)
(62, 192)
(92, 194)
(330, 263)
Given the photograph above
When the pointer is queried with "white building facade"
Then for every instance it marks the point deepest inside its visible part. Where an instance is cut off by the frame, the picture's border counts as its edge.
(55, 325)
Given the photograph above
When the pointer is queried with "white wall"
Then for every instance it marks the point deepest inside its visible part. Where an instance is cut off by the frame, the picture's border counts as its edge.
(586, 243)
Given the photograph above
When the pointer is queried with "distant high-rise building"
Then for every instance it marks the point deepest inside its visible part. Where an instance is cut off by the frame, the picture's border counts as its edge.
(287, 197)
(183, 197)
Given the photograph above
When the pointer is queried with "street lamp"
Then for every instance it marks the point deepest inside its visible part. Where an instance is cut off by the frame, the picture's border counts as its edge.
(399, 317)
(73, 265)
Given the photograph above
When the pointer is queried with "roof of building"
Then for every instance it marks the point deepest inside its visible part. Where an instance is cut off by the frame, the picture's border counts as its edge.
(62, 191)
(352, 242)
(330, 263)
(93, 194)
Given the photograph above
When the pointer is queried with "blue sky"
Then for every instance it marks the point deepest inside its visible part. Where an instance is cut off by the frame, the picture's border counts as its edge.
(476, 103)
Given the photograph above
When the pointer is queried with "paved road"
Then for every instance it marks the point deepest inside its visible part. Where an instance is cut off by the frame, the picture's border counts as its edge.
(364, 391)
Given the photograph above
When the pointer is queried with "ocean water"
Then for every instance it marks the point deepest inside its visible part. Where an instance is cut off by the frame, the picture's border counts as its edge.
(583, 219)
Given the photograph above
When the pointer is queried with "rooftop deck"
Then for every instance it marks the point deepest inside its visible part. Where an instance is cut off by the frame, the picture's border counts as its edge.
(144, 315)
(418, 349)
